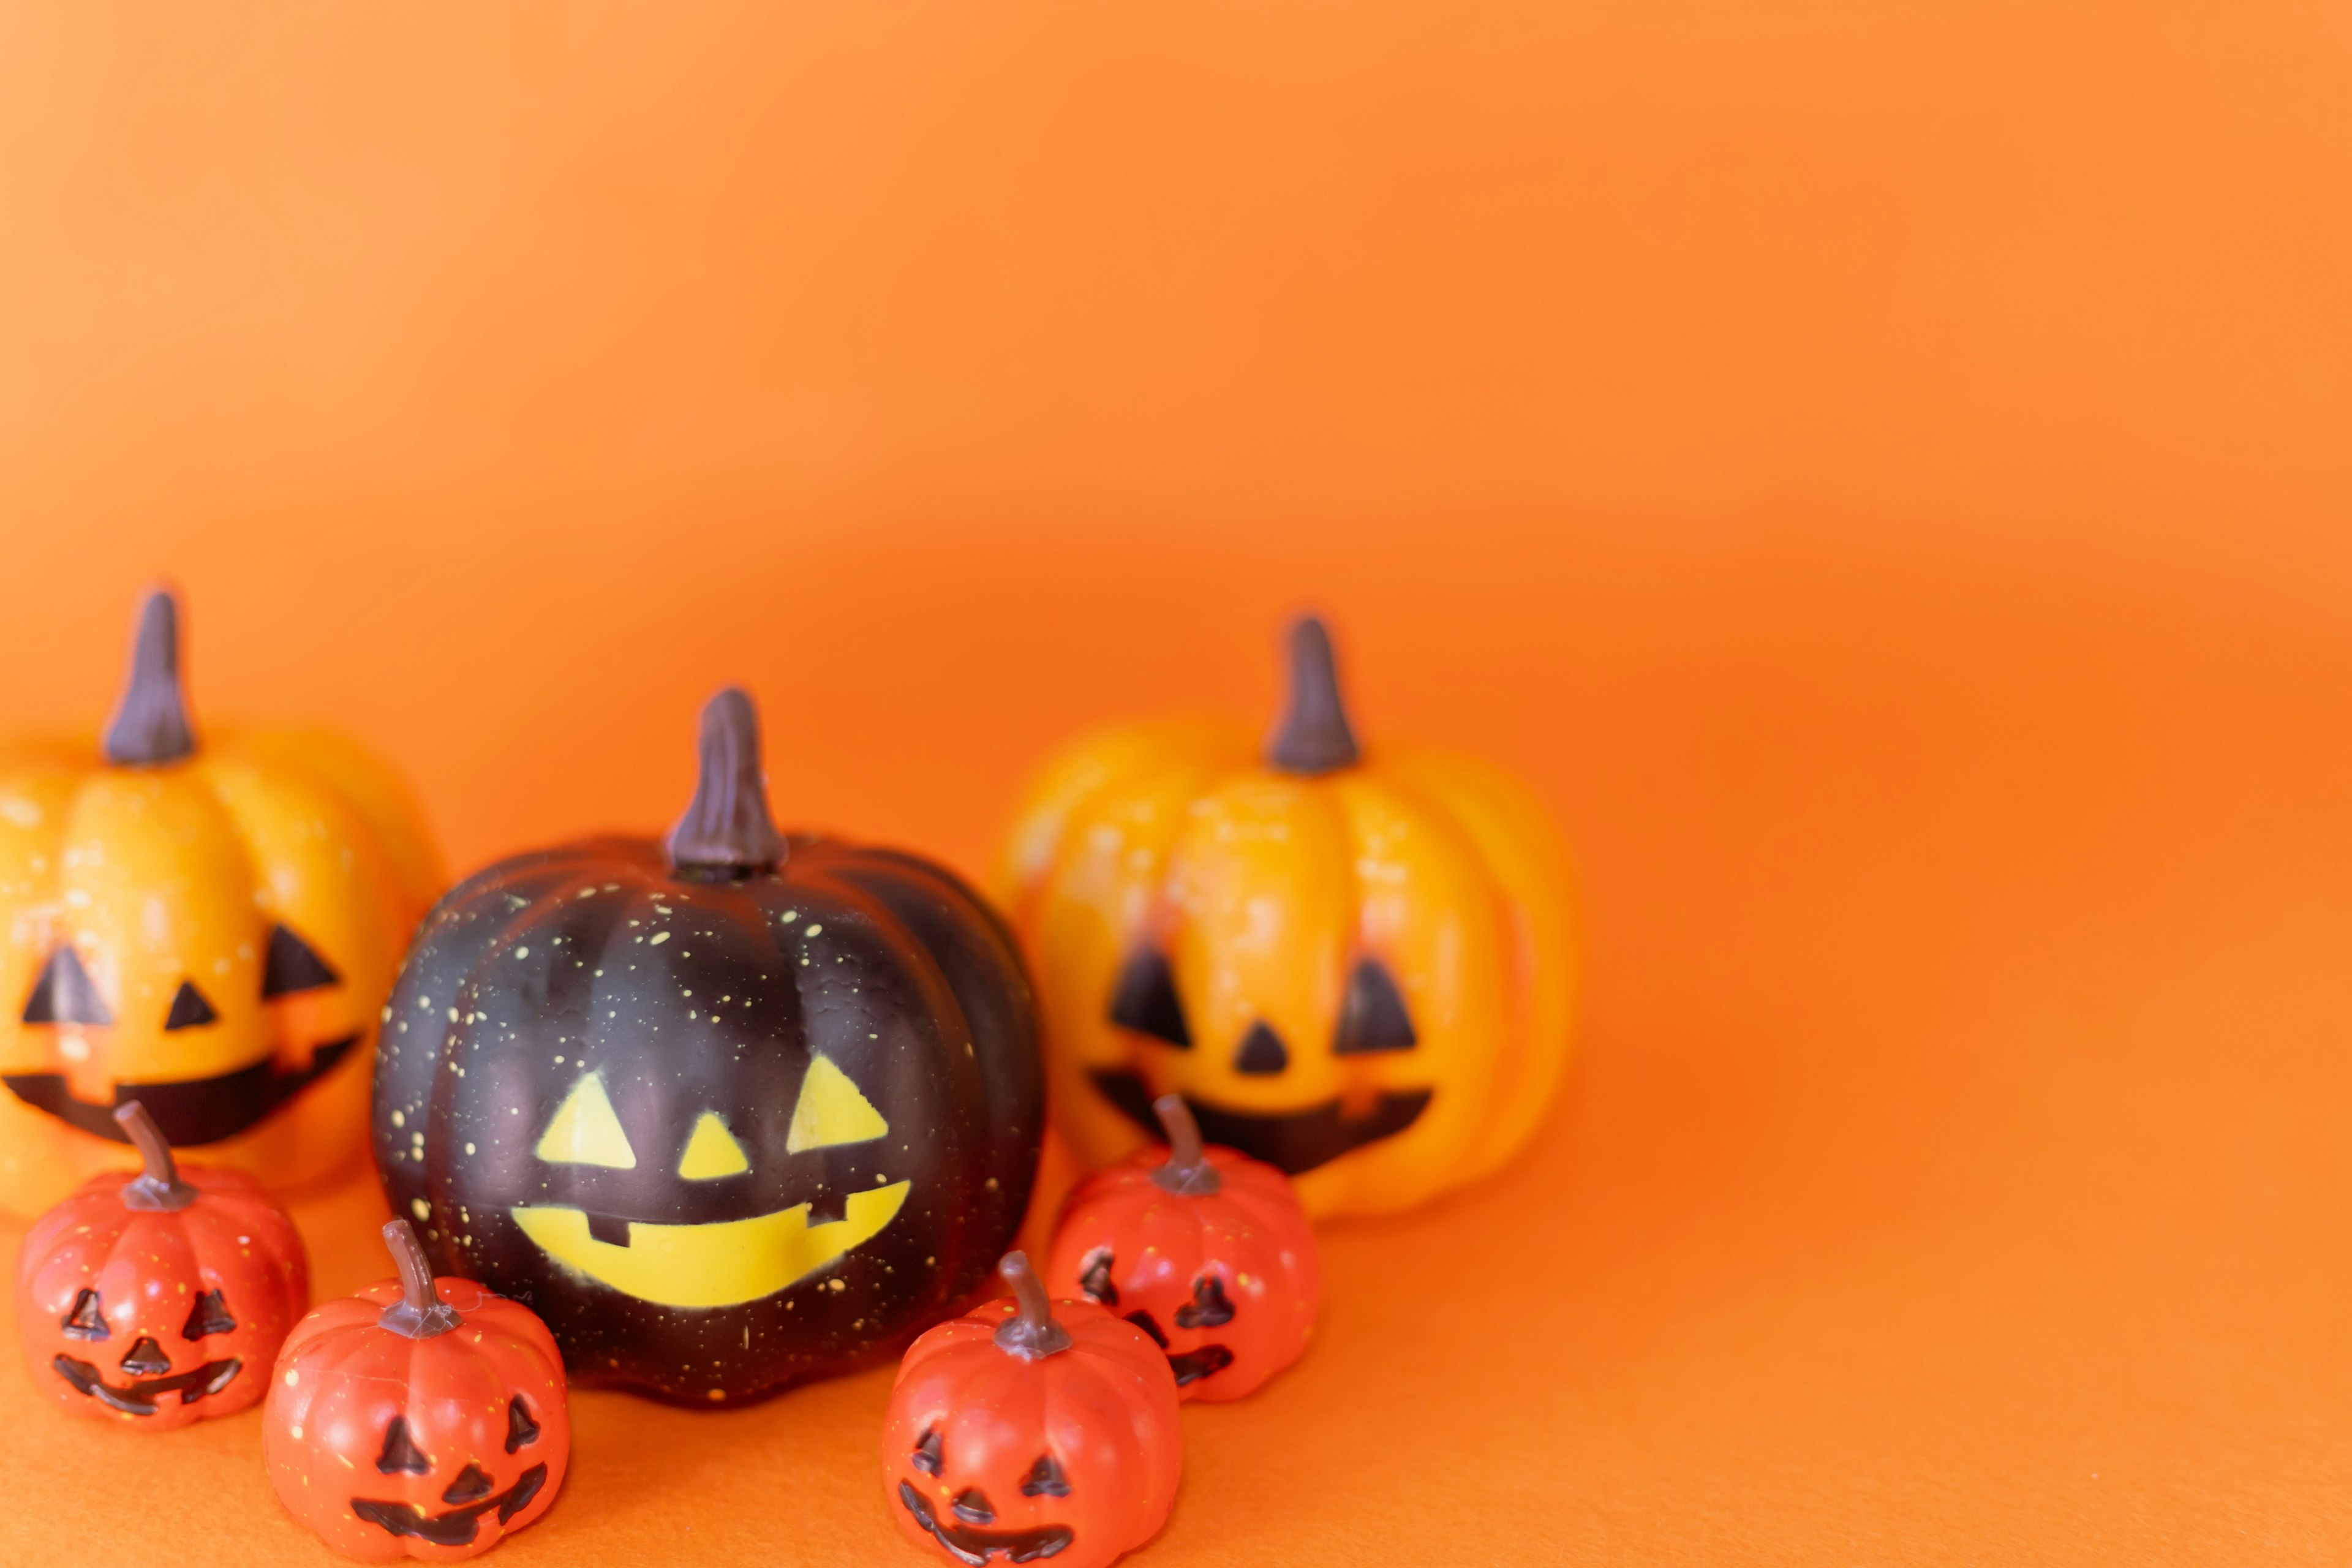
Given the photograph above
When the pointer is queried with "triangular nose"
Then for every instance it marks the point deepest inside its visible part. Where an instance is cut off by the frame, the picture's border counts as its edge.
(1262, 1053)
(146, 1359)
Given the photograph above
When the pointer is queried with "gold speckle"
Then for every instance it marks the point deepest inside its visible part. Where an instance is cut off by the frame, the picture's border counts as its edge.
(658, 938)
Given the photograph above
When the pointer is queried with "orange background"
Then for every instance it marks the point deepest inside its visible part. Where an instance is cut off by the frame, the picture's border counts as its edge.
(1881, 472)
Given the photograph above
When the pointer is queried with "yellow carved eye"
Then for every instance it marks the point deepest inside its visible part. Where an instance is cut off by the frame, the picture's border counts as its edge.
(831, 1110)
(586, 1131)
(712, 1152)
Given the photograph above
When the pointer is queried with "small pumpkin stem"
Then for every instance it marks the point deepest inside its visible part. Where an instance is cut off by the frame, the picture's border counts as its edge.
(159, 1188)
(1187, 1172)
(1030, 1333)
(727, 830)
(150, 727)
(420, 1313)
(1314, 736)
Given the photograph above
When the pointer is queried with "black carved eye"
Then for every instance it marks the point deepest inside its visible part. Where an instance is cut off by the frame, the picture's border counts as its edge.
(1373, 1018)
(1208, 1309)
(209, 1316)
(189, 1009)
(1146, 1000)
(1046, 1478)
(401, 1454)
(1096, 1281)
(971, 1506)
(293, 965)
(88, 1318)
(521, 1427)
(926, 1452)
(65, 994)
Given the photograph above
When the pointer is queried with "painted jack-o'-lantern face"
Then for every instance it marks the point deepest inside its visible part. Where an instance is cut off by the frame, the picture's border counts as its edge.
(728, 1112)
(209, 932)
(1357, 971)
(159, 1299)
(1032, 1430)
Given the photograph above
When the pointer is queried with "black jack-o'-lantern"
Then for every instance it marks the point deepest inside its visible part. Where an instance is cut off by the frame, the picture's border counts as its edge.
(727, 1112)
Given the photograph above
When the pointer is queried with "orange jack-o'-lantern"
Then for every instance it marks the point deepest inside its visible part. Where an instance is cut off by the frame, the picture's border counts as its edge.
(159, 1299)
(1206, 1250)
(1033, 1429)
(421, 1417)
(1355, 965)
(207, 929)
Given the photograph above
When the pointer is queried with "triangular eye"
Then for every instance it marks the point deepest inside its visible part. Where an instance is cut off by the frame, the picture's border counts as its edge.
(293, 965)
(1096, 1281)
(87, 1320)
(831, 1110)
(64, 993)
(1146, 1000)
(1373, 1017)
(189, 1009)
(521, 1428)
(712, 1152)
(209, 1316)
(400, 1453)
(587, 1131)
(926, 1452)
(1046, 1478)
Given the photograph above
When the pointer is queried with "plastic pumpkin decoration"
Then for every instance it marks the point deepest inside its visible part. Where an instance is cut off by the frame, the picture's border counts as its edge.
(1355, 966)
(1018, 1432)
(729, 1111)
(1206, 1250)
(421, 1417)
(207, 929)
(159, 1299)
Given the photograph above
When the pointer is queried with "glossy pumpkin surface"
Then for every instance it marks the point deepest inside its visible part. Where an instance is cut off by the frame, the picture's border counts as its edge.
(1028, 1431)
(209, 928)
(726, 1124)
(421, 1417)
(159, 1299)
(1204, 1250)
(1356, 966)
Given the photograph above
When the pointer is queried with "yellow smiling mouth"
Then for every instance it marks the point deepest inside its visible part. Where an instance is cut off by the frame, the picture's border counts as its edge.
(719, 1265)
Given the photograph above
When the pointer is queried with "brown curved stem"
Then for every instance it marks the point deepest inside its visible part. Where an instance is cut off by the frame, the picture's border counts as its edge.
(1030, 1332)
(1188, 1173)
(420, 1313)
(1314, 736)
(150, 727)
(159, 1186)
(727, 830)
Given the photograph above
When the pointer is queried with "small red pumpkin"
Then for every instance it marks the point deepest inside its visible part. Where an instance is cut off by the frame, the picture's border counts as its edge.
(1206, 1250)
(159, 1299)
(421, 1418)
(1013, 1432)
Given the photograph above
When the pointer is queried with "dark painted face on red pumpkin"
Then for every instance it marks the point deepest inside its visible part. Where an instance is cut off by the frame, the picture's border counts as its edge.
(145, 1373)
(1210, 1307)
(472, 1492)
(964, 1528)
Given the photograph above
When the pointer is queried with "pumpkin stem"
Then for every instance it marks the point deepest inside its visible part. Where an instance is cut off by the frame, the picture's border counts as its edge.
(150, 727)
(159, 1188)
(1314, 736)
(727, 832)
(1030, 1333)
(1186, 1174)
(420, 1313)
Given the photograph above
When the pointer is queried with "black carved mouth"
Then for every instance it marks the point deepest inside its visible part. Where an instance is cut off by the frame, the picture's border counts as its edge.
(966, 1544)
(190, 1111)
(1293, 1144)
(139, 1399)
(457, 1527)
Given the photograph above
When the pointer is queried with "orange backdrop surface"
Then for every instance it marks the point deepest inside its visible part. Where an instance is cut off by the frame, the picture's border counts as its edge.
(1883, 472)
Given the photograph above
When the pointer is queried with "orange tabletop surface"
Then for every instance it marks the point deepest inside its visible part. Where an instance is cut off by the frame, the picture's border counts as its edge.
(1882, 473)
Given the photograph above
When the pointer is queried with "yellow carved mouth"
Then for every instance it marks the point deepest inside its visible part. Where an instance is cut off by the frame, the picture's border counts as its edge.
(718, 1265)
